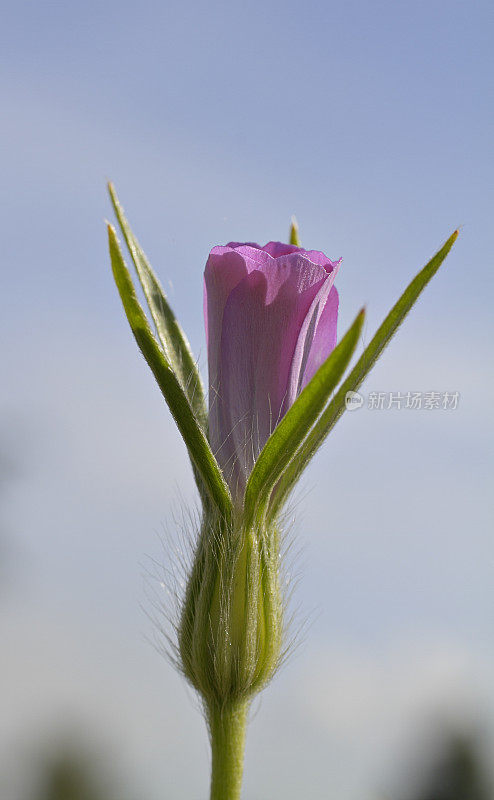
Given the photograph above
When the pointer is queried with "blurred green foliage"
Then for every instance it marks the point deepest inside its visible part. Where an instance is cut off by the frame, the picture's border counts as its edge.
(457, 773)
(70, 775)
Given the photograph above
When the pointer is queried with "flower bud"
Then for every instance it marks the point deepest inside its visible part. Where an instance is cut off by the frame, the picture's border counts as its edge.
(271, 315)
(230, 631)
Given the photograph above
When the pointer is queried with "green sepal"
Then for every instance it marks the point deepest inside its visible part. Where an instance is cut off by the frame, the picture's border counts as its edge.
(230, 632)
(175, 344)
(194, 437)
(291, 431)
(294, 235)
(360, 371)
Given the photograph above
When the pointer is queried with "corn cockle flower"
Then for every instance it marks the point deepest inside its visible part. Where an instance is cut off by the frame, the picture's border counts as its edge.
(271, 314)
(276, 389)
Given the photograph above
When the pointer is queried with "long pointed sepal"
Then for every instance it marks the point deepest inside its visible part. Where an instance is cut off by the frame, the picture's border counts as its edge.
(194, 437)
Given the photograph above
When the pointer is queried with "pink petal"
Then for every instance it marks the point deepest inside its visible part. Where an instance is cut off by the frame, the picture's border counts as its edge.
(305, 356)
(324, 340)
(277, 249)
(266, 321)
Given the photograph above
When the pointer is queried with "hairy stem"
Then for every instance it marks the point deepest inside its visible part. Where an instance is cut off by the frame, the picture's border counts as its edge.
(227, 728)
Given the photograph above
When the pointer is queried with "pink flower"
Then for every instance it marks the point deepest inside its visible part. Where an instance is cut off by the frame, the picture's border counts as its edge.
(270, 315)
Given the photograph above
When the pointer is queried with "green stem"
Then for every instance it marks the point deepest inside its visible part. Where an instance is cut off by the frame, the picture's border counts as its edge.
(227, 728)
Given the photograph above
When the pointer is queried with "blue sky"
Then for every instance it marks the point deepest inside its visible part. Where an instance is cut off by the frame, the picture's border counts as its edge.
(373, 123)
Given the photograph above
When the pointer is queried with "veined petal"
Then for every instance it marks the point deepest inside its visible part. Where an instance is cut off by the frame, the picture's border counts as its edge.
(266, 319)
(305, 341)
(225, 268)
(324, 340)
(277, 249)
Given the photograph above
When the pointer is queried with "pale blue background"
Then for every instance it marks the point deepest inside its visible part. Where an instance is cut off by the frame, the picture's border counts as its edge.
(373, 122)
